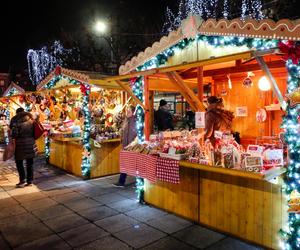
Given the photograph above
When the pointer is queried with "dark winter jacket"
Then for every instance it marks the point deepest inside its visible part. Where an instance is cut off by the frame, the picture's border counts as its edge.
(217, 119)
(163, 120)
(128, 131)
(22, 130)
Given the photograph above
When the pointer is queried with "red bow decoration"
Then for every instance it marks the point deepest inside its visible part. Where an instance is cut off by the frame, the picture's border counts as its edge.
(22, 99)
(84, 88)
(291, 51)
(132, 81)
(57, 70)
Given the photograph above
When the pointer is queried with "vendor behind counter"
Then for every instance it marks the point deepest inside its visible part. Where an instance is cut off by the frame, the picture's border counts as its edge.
(216, 118)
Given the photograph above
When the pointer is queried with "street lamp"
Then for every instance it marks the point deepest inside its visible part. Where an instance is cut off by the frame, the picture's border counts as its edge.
(101, 28)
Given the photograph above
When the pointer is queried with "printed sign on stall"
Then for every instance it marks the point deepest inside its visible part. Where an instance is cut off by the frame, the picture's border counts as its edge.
(242, 111)
(200, 119)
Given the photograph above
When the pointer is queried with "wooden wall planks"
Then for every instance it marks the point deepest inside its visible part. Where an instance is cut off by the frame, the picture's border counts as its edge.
(250, 209)
(68, 156)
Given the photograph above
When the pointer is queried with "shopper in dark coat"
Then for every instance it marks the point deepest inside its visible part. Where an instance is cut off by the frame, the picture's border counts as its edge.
(22, 131)
(163, 117)
(128, 134)
(216, 118)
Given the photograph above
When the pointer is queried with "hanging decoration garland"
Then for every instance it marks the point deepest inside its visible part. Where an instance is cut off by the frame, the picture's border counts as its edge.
(291, 126)
(216, 41)
(137, 84)
(138, 90)
(86, 158)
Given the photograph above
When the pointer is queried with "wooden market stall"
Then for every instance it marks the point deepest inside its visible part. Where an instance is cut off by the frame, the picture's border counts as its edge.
(16, 97)
(78, 153)
(230, 57)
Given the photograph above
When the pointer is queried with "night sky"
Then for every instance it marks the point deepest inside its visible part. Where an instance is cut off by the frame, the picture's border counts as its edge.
(31, 24)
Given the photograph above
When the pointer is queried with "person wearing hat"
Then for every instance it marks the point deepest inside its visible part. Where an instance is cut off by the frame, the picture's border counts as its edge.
(163, 117)
(216, 118)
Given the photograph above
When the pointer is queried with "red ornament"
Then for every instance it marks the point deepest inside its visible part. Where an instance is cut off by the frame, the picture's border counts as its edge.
(275, 101)
(291, 51)
(57, 70)
(22, 99)
(84, 88)
(132, 81)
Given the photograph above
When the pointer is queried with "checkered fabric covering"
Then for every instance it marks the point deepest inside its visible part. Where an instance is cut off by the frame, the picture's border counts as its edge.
(128, 162)
(136, 164)
(146, 167)
(167, 170)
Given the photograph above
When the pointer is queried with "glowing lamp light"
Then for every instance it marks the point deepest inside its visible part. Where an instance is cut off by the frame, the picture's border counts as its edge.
(100, 27)
(264, 84)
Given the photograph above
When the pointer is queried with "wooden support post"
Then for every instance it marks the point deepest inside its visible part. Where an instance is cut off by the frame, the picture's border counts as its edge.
(127, 102)
(200, 83)
(198, 103)
(130, 92)
(182, 92)
(271, 79)
(147, 105)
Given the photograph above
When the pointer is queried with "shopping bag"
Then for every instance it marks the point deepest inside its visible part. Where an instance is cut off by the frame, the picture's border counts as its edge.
(38, 130)
(9, 150)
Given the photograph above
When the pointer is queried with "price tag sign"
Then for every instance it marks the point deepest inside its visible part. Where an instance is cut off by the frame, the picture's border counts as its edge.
(242, 111)
(172, 151)
(200, 119)
(255, 150)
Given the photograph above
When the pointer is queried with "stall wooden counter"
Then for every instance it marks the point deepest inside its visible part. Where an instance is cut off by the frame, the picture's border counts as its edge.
(239, 203)
(66, 153)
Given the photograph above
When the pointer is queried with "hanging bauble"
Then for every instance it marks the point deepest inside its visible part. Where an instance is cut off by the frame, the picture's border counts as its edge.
(98, 112)
(247, 82)
(261, 115)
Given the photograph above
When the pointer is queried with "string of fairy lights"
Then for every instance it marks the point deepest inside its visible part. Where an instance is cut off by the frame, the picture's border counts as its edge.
(209, 9)
(42, 61)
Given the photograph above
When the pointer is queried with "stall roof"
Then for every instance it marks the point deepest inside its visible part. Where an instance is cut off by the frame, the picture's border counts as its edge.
(267, 28)
(13, 89)
(88, 77)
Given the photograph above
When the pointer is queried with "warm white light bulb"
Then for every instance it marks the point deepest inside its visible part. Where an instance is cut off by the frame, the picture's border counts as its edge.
(100, 27)
(264, 84)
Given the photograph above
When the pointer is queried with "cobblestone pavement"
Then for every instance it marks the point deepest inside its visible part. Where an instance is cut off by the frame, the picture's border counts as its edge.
(65, 212)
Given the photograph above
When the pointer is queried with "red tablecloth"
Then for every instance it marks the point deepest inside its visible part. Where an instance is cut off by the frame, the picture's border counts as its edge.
(167, 170)
(137, 164)
(149, 167)
(128, 162)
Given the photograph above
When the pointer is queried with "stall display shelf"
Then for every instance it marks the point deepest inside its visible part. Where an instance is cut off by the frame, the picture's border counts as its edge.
(267, 175)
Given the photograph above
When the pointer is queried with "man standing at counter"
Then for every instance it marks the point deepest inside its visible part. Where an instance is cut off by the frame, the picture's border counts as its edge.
(163, 117)
(216, 118)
